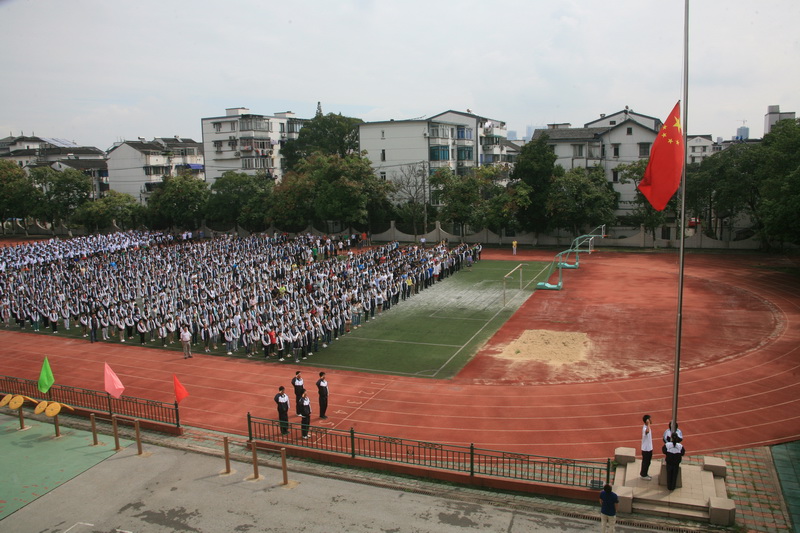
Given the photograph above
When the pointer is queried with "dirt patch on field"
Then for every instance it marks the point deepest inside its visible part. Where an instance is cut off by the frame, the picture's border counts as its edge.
(555, 348)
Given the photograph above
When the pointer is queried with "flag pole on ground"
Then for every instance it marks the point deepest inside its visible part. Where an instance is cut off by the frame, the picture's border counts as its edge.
(664, 176)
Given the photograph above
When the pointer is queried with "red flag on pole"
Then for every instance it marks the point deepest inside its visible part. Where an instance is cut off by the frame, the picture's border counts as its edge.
(180, 390)
(113, 385)
(663, 174)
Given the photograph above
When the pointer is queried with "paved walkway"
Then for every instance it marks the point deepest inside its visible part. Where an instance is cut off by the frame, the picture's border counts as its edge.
(326, 497)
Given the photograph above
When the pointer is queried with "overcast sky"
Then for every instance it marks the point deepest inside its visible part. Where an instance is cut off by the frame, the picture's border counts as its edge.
(97, 71)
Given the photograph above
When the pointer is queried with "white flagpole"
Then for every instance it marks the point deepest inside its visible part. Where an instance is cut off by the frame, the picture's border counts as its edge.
(681, 229)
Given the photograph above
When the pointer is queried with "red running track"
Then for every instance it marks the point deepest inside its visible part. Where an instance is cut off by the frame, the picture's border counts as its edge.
(739, 387)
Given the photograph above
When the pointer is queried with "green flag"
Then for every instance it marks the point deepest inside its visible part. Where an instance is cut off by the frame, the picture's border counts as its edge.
(46, 378)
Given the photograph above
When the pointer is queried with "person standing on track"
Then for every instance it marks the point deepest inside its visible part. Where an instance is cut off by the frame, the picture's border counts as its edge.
(186, 341)
(299, 389)
(322, 388)
(647, 447)
(305, 412)
(282, 400)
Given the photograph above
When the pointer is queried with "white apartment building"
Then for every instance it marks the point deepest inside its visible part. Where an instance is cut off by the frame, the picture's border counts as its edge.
(453, 139)
(612, 140)
(699, 147)
(138, 167)
(246, 142)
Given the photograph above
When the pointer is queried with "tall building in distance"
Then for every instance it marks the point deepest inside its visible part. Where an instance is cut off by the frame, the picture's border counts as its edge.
(742, 133)
(774, 115)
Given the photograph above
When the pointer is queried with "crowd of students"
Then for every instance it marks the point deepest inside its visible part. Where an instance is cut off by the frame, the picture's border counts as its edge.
(283, 297)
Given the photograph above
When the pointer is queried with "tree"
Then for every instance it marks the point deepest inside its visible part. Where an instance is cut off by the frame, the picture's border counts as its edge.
(116, 208)
(535, 167)
(179, 202)
(62, 194)
(411, 194)
(580, 200)
(293, 202)
(240, 199)
(331, 134)
(779, 211)
(461, 196)
(643, 213)
(19, 197)
(344, 187)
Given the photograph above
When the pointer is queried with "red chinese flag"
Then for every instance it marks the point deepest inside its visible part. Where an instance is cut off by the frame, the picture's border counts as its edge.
(180, 390)
(663, 174)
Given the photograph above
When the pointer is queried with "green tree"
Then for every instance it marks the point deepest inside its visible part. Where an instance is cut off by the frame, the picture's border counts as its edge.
(19, 197)
(461, 196)
(779, 210)
(240, 199)
(503, 200)
(116, 208)
(62, 194)
(643, 213)
(580, 200)
(535, 167)
(344, 187)
(180, 202)
(293, 202)
(331, 134)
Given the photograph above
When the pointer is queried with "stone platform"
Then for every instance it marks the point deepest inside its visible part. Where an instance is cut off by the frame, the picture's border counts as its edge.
(700, 493)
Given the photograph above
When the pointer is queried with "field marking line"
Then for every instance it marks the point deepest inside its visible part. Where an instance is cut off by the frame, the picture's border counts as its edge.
(473, 337)
(407, 342)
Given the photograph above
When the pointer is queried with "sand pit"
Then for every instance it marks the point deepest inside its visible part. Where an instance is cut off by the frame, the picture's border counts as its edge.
(555, 348)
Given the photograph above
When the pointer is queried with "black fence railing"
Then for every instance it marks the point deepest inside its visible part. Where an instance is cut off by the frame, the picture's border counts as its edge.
(92, 400)
(464, 459)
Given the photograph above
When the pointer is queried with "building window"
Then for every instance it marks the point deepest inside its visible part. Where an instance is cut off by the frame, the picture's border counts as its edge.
(218, 146)
(463, 132)
(383, 155)
(217, 127)
(615, 150)
(612, 122)
(666, 232)
(383, 176)
(615, 176)
(594, 151)
(233, 126)
(440, 153)
(629, 131)
(644, 149)
(464, 153)
(577, 150)
(383, 134)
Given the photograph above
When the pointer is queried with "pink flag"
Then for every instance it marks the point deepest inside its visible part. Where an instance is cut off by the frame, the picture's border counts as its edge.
(113, 385)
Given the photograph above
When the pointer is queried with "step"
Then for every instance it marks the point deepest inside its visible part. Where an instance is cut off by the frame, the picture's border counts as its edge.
(661, 509)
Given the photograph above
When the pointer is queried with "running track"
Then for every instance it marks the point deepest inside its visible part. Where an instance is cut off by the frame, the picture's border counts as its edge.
(739, 386)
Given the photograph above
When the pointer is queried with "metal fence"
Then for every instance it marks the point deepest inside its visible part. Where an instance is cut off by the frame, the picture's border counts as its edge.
(464, 459)
(92, 400)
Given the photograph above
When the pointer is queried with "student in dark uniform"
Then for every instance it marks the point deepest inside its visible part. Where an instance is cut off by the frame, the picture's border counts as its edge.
(322, 388)
(299, 389)
(305, 412)
(673, 451)
(282, 399)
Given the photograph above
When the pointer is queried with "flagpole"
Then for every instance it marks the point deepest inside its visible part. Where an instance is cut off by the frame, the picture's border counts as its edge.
(681, 229)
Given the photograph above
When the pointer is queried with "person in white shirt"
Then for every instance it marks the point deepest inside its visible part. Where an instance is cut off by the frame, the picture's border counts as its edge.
(186, 341)
(647, 447)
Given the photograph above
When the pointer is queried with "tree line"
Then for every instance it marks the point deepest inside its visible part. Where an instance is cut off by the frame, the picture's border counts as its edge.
(328, 184)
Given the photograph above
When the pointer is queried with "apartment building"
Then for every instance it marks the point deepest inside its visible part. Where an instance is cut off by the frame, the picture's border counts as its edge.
(138, 167)
(413, 149)
(245, 142)
(612, 140)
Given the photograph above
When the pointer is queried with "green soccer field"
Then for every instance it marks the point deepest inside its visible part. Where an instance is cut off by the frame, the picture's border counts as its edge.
(435, 332)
